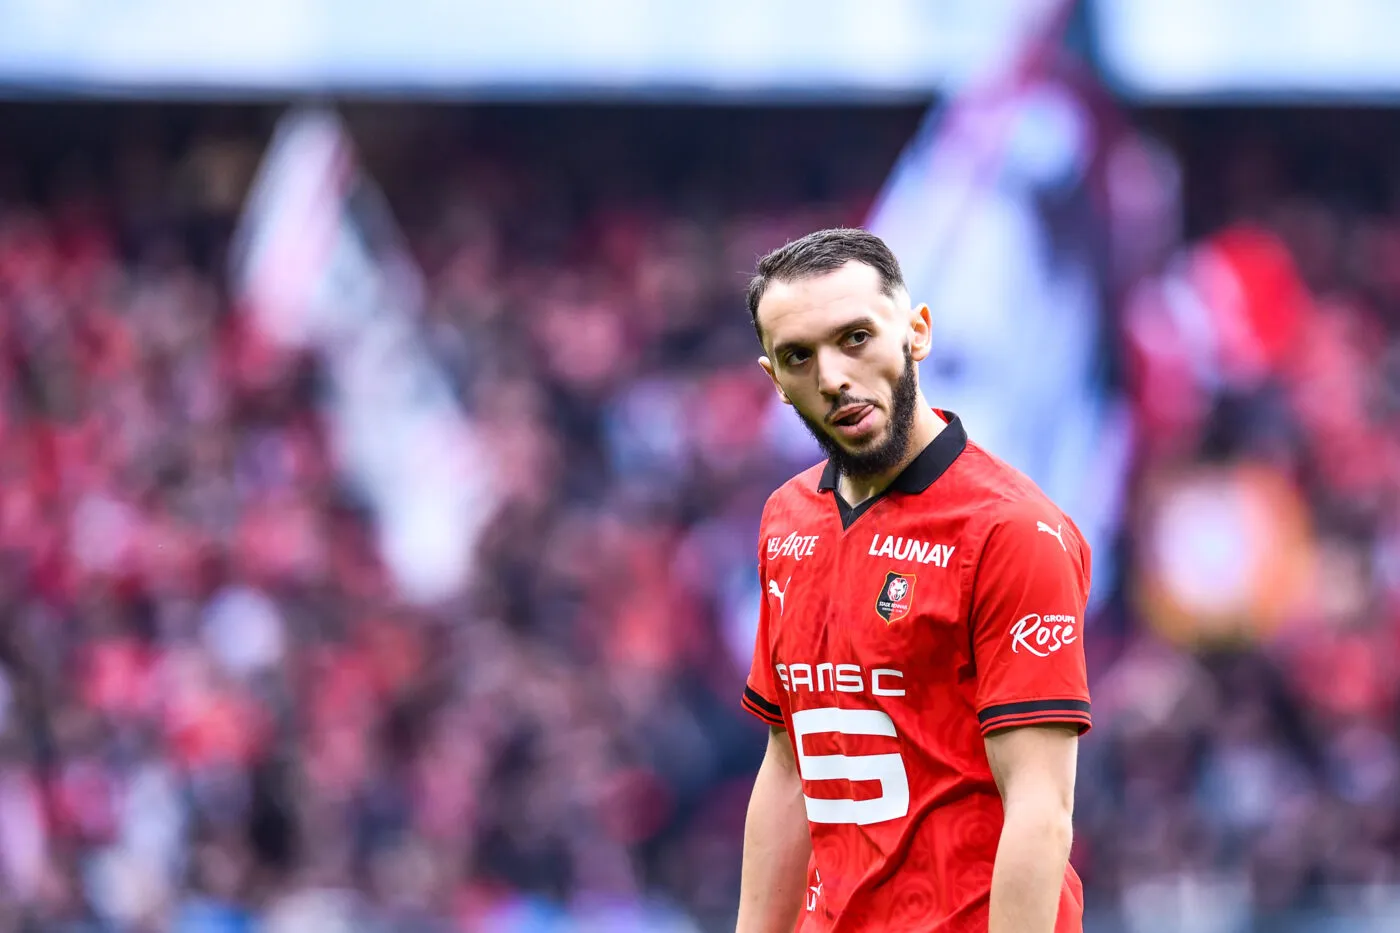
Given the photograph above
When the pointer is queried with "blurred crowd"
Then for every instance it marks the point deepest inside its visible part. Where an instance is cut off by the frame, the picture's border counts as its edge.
(214, 712)
(216, 715)
(1245, 772)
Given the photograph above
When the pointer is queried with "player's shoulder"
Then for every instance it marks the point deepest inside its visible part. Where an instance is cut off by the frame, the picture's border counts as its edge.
(1008, 500)
(799, 494)
(790, 517)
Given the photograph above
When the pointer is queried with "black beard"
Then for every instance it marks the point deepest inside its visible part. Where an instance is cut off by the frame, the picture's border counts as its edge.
(887, 454)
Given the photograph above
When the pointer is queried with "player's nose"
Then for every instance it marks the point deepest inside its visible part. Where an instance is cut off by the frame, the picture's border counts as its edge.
(833, 379)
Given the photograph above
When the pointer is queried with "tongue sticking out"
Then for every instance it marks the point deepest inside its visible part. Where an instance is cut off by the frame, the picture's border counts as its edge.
(853, 417)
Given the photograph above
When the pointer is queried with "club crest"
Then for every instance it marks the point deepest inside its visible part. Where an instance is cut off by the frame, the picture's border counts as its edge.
(896, 596)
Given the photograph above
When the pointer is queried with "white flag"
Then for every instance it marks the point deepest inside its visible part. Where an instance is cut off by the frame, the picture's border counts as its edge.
(318, 264)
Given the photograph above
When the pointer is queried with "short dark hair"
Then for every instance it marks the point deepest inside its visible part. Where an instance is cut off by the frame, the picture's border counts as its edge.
(824, 251)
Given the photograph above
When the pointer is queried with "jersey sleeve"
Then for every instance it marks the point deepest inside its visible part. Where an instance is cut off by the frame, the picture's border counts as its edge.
(761, 690)
(1029, 596)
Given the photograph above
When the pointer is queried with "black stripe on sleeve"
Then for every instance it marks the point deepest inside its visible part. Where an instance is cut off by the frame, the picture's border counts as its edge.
(769, 720)
(1081, 720)
(1033, 706)
(772, 709)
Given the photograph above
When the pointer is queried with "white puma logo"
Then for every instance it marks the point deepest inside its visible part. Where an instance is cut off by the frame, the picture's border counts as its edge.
(1057, 533)
(781, 594)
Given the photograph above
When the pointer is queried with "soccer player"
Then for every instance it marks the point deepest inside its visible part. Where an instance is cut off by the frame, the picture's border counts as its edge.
(919, 656)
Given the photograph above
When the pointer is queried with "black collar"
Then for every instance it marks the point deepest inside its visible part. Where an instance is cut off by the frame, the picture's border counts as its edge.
(932, 462)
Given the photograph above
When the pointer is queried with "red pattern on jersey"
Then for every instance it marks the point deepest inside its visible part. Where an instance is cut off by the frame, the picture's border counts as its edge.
(991, 639)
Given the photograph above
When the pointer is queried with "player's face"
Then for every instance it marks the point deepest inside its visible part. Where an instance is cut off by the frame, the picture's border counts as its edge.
(843, 354)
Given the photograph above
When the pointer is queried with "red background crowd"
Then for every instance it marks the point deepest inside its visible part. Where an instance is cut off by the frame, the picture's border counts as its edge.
(217, 715)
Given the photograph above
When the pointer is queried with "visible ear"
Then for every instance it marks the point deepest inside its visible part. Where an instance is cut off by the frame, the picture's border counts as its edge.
(920, 333)
(767, 366)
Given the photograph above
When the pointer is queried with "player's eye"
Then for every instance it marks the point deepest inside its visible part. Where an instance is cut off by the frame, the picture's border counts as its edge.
(857, 337)
(795, 358)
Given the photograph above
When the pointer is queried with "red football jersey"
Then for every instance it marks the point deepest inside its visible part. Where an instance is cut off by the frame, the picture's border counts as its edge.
(893, 637)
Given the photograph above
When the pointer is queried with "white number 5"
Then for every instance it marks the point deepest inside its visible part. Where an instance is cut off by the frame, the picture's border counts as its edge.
(893, 801)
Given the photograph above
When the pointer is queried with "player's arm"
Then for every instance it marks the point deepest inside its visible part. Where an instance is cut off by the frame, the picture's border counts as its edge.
(1032, 585)
(1034, 767)
(777, 844)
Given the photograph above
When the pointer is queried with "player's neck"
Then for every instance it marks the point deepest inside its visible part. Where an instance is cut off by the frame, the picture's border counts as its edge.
(927, 426)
